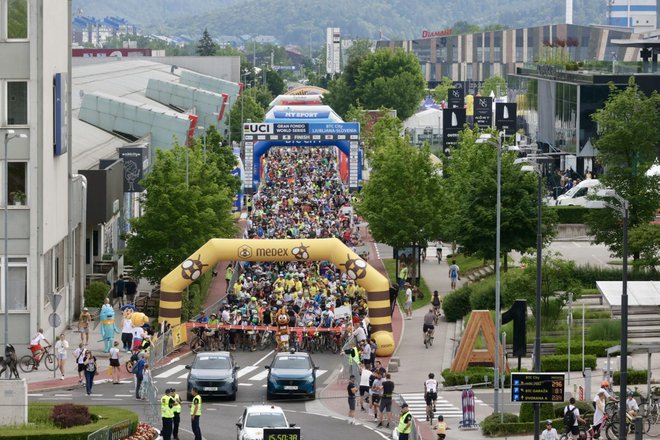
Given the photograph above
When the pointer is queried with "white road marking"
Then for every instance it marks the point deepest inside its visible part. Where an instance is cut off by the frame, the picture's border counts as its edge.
(63, 395)
(176, 382)
(244, 384)
(246, 370)
(260, 376)
(183, 376)
(106, 398)
(320, 372)
(35, 395)
(170, 371)
(123, 395)
(211, 409)
(263, 358)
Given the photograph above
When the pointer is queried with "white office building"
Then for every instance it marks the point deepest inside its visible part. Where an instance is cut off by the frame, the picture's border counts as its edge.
(640, 15)
(34, 93)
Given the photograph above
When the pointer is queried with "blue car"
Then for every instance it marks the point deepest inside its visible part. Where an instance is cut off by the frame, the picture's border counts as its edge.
(291, 374)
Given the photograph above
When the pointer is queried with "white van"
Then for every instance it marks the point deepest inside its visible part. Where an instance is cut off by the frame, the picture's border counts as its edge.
(578, 195)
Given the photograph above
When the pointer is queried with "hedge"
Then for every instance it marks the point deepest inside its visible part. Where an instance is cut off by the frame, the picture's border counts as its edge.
(584, 407)
(596, 348)
(571, 215)
(587, 275)
(39, 426)
(635, 377)
(457, 304)
(559, 362)
(526, 413)
(474, 375)
(491, 425)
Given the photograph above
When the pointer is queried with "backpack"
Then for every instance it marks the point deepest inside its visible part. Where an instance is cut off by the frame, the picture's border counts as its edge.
(136, 367)
(453, 273)
(569, 417)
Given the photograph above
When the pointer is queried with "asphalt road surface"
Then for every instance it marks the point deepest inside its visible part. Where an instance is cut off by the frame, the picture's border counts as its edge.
(219, 416)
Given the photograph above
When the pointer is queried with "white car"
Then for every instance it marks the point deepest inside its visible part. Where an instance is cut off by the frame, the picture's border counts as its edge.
(251, 424)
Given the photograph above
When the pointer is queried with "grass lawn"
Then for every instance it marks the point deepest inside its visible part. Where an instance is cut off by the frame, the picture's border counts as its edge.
(40, 426)
(390, 265)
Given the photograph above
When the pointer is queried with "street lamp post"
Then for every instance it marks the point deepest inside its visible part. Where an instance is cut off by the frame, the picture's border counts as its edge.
(9, 135)
(485, 138)
(622, 208)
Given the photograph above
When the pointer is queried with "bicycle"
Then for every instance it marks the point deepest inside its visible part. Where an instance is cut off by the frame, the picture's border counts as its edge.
(582, 434)
(428, 338)
(30, 362)
(612, 426)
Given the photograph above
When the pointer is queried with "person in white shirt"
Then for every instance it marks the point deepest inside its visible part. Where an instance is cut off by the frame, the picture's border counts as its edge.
(599, 412)
(365, 374)
(79, 355)
(359, 334)
(138, 335)
(430, 395)
(36, 348)
(573, 431)
(409, 300)
(549, 433)
(631, 405)
(61, 347)
(127, 334)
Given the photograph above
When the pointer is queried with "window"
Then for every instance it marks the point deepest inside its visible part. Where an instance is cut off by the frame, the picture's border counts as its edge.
(17, 283)
(17, 183)
(17, 102)
(17, 19)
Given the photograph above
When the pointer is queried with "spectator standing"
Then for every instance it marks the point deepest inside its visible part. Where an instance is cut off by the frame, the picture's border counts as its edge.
(167, 414)
(228, 274)
(403, 275)
(83, 325)
(130, 289)
(409, 301)
(549, 433)
(138, 370)
(61, 347)
(177, 414)
(90, 371)
(352, 391)
(119, 289)
(386, 400)
(364, 387)
(79, 354)
(376, 393)
(114, 362)
(454, 274)
(359, 334)
(394, 293)
(365, 353)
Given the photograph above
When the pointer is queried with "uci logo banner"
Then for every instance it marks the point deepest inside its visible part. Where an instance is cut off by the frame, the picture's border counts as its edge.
(258, 128)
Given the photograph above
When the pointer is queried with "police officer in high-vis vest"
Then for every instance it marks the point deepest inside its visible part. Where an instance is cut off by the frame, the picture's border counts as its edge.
(167, 414)
(177, 414)
(405, 423)
(353, 360)
(195, 412)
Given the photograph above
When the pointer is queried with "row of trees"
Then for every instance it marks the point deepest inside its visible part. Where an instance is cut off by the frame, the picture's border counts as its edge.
(405, 201)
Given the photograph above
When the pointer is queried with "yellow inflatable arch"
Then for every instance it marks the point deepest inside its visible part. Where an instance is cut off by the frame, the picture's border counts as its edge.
(331, 249)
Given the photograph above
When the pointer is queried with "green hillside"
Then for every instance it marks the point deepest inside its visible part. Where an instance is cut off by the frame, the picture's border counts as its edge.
(296, 21)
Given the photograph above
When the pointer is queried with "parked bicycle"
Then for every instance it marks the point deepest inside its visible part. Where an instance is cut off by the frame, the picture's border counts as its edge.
(428, 338)
(31, 362)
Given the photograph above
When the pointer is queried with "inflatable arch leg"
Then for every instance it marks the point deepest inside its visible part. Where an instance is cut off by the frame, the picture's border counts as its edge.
(331, 249)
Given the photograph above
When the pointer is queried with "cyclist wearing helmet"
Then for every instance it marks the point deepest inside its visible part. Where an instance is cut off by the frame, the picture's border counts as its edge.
(326, 319)
(441, 428)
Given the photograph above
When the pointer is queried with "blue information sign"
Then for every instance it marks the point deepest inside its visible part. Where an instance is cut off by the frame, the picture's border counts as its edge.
(334, 128)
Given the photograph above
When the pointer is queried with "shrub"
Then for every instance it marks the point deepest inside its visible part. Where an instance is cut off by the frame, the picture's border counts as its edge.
(588, 275)
(491, 425)
(482, 296)
(95, 294)
(596, 348)
(526, 413)
(608, 330)
(571, 215)
(559, 362)
(583, 406)
(68, 415)
(634, 377)
(474, 374)
(457, 304)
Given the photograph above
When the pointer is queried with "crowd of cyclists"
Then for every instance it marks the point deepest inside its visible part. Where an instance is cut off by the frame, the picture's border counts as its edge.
(301, 196)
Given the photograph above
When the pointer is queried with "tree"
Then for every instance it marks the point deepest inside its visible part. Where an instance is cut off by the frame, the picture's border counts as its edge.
(178, 219)
(627, 148)
(272, 81)
(495, 84)
(342, 90)
(246, 108)
(557, 280)
(402, 199)
(472, 193)
(206, 46)
(390, 78)
(441, 91)
(358, 50)
(463, 27)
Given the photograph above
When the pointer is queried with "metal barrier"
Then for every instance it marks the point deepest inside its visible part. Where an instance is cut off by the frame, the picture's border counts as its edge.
(414, 435)
(149, 392)
(161, 346)
(117, 431)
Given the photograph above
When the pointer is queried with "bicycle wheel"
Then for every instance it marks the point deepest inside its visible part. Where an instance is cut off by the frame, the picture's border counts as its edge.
(27, 363)
(426, 341)
(129, 366)
(197, 345)
(50, 361)
(612, 409)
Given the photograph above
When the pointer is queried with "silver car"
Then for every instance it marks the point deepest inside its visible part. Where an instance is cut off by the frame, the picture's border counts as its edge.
(213, 373)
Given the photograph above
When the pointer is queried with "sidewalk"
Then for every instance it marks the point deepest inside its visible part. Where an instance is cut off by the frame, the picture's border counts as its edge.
(43, 380)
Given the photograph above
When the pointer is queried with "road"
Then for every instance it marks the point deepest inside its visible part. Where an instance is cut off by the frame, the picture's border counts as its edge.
(219, 416)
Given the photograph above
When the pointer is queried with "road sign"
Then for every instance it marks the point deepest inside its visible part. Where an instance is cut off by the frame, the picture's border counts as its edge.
(54, 300)
(537, 387)
(282, 434)
(54, 320)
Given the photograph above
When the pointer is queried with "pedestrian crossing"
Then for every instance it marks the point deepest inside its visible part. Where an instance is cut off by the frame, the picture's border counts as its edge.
(248, 376)
(417, 407)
